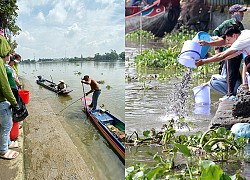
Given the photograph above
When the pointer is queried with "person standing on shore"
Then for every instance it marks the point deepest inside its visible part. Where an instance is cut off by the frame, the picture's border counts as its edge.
(95, 88)
(6, 100)
(17, 58)
(11, 66)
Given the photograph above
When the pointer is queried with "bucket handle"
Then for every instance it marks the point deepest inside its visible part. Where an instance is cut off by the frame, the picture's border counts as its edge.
(199, 90)
(189, 51)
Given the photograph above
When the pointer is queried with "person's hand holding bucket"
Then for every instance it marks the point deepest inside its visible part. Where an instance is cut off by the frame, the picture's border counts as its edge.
(199, 62)
(189, 54)
(203, 43)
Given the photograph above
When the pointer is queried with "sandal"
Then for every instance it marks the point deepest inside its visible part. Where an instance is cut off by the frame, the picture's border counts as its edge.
(14, 144)
(10, 154)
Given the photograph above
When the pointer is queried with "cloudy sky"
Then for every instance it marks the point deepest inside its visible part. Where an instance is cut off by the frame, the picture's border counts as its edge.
(69, 28)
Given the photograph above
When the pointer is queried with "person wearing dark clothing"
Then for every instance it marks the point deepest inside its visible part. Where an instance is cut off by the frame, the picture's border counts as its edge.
(233, 73)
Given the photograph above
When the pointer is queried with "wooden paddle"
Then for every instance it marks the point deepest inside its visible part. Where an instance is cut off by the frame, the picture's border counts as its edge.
(70, 104)
(85, 103)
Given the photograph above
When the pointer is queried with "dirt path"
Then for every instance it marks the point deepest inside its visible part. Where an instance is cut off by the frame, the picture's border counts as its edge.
(48, 152)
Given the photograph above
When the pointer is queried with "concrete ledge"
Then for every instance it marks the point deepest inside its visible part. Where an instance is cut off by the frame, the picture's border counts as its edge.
(49, 152)
(224, 116)
(13, 169)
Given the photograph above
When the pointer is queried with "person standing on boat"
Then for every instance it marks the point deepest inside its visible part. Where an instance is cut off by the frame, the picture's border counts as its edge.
(95, 88)
(61, 86)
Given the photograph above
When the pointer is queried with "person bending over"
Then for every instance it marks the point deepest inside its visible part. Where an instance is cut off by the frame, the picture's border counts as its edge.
(240, 43)
(61, 86)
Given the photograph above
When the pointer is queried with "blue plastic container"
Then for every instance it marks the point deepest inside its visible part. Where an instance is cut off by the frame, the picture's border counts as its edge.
(203, 36)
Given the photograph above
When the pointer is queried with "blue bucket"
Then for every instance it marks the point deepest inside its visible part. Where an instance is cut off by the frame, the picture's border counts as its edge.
(203, 36)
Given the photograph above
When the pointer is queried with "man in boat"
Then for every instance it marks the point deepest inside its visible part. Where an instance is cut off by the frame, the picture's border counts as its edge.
(61, 86)
(95, 88)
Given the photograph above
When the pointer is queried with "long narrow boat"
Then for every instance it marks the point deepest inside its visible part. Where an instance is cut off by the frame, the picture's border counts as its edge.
(111, 127)
(158, 18)
(51, 86)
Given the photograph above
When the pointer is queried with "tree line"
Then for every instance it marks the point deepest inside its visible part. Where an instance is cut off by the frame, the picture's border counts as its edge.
(112, 56)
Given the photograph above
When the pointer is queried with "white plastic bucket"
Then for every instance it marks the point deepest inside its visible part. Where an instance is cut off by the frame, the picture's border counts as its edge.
(189, 54)
(202, 95)
(202, 109)
(203, 36)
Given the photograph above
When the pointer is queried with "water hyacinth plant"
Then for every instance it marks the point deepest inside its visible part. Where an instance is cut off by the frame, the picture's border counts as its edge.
(188, 157)
(168, 57)
(145, 35)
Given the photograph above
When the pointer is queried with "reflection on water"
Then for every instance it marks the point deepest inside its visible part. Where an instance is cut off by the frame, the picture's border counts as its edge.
(95, 150)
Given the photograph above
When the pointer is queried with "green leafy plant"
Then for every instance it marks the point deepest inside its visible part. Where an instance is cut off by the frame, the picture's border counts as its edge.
(217, 144)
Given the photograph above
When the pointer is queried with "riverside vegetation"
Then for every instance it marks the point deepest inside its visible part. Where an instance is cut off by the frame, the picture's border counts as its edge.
(166, 58)
(183, 157)
(112, 56)
(188, 157)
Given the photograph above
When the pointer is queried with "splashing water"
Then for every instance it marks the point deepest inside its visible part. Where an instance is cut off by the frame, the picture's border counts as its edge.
(179, 98)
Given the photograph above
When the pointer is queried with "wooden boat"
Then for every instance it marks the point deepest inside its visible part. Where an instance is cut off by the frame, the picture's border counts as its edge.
(110, 127)
(158, 18)
(51, 86)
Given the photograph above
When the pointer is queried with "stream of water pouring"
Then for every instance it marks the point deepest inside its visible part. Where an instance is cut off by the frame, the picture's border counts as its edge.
(179, 98)
(181, 95)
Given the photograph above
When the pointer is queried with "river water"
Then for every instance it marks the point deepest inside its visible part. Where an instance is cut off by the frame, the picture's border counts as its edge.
(151, 107)
(103, 162)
